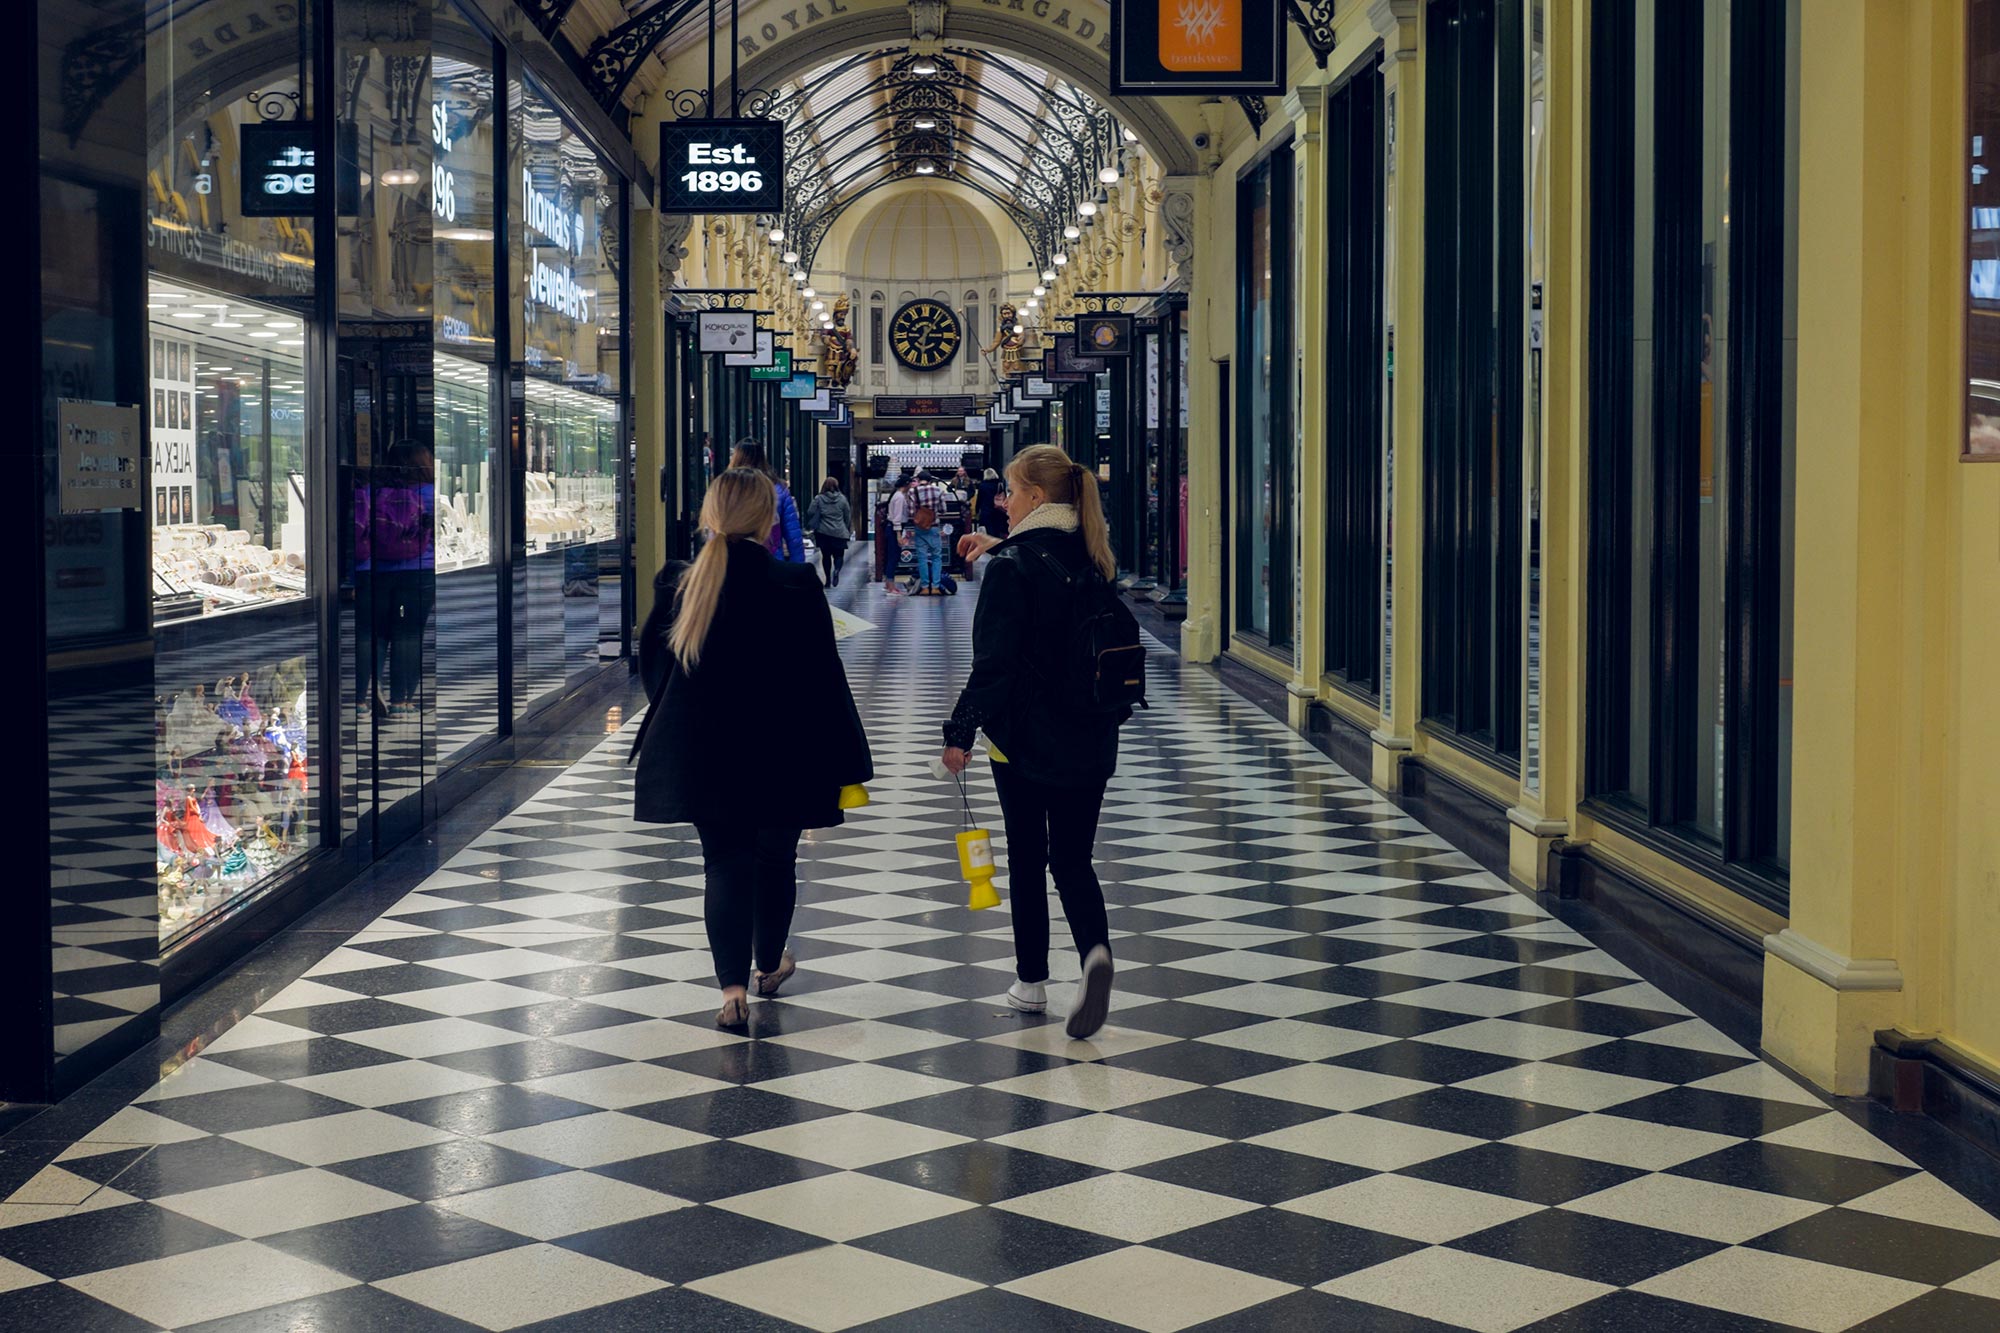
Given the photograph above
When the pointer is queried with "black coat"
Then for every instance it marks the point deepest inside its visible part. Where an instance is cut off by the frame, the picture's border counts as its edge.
(1022, 632)
(764, 730)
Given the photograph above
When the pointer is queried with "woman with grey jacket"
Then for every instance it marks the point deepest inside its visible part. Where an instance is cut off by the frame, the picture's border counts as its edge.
(830, 520)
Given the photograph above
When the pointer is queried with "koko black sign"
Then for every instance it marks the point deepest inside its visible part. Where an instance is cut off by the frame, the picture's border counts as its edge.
(1204, 48)
(722, 166)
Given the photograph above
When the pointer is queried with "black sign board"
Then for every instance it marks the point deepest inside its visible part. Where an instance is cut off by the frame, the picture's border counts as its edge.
(955, 405)
(1213, 48)
(1070, 360)
(1104, 335)
(279, 172)
(722, 166)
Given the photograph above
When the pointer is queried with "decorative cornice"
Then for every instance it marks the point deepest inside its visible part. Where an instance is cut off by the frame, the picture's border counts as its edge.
(1395, 22)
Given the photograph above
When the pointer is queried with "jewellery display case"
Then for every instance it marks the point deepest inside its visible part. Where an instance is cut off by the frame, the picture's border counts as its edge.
(227, 400)
(463, 427)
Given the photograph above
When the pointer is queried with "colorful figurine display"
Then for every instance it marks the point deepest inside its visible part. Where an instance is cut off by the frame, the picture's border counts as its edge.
(232, 789)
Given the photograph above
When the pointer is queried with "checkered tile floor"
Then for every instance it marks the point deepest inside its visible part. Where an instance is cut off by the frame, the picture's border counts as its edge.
(1352, 1082)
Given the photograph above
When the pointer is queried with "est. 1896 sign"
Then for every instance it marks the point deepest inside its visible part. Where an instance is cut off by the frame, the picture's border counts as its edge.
(722, 166)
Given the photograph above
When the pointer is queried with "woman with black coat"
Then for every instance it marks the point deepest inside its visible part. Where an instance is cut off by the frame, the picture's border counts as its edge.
(730, 637)
(989, 506)
(1052, 758)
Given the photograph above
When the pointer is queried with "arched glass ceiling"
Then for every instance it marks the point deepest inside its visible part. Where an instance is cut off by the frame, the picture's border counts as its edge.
(1031, 142)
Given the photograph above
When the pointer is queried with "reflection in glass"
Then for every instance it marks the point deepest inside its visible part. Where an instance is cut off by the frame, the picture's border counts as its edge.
(468, 512)
(1263, 462)
(565, 235)
(1538, 257)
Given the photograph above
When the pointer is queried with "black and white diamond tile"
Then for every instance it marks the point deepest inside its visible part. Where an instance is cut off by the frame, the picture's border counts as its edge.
(1352, 1081)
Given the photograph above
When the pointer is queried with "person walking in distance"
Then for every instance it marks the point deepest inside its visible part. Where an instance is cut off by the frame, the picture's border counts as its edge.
(926, 511)
(897, 535)
(728, 635)
(786, 540)
(989, 505)
(830, 519)
(1053, 751)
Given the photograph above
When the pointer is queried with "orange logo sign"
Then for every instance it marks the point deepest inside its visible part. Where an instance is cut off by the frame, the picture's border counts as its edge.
(1201, 34)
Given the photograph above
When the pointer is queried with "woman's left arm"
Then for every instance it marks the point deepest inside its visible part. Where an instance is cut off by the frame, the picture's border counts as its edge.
(795, 540)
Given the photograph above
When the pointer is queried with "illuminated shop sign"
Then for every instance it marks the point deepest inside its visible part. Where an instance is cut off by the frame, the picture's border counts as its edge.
(280, 172)
(722, 166)
(551, 285)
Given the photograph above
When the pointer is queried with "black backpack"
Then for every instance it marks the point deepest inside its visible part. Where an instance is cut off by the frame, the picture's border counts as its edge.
(1105, 663)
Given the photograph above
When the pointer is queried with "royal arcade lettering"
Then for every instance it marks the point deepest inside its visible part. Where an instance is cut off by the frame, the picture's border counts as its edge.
(1050, 12)
(556, 288)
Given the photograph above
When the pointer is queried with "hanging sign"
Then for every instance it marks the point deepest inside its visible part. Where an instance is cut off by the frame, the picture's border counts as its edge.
(999, 418)
(780, 368)
(1070, 359)
(821, 401)
(279, 170)
(973, 425)
(725, 331)
(1197, 48)
(765, 355)
(1104, 335)
(801, 386)
(722, 166)
(951, 405)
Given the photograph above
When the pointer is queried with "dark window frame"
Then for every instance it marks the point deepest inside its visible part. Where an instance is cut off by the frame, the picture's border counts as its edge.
(1475, 302)
(1355, 386)
(1277, 165)
(1745, 856)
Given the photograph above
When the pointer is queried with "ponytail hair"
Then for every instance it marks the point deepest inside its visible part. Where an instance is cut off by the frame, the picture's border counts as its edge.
(1065, 481)
(741, 505)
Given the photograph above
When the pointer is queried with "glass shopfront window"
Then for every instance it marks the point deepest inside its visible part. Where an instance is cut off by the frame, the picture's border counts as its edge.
(1691, 443)
(1264, 443)
(468, 512)
(1475, 336)
(566, 226)
(234, 455)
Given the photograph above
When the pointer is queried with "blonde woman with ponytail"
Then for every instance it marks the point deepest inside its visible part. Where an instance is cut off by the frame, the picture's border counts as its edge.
(738, 657)
(1052, 756)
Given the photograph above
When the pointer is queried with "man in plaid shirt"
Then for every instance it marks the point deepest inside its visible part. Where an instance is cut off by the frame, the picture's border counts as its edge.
(926, 513)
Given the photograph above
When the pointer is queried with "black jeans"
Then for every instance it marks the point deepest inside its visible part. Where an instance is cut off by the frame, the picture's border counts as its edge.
(832, 554)
(1050, 829)
(752, 887)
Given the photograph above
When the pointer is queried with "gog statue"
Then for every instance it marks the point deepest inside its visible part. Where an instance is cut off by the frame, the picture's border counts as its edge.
(1007, 342)
(837, 351)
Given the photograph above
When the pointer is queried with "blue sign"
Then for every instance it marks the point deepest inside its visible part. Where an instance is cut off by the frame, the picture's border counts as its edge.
(803, 384)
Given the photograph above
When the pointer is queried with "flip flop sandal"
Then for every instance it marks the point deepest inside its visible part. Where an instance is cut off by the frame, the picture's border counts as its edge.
(769, 982)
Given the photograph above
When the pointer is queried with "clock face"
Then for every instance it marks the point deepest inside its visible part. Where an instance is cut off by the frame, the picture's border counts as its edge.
(925, 335)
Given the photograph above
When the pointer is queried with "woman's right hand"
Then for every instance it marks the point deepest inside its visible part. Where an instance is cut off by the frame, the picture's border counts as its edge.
(975, 544)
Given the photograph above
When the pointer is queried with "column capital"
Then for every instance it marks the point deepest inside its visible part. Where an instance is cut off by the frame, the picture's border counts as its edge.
(1395, 22)
(1302, 104)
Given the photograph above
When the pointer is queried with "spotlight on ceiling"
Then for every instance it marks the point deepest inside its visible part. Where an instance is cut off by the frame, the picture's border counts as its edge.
(1088, 208)
(818, 306)
(1130, 137)
(798, 275)
(925, 123)
(791, 256)
(1019, 329)
(1108, 175)
(777, 234)
(809, 293)
(1032, 303)
(1060, 258)
(1041, 290)
(925, 169)
(401, 176)
(1048, 275)
(924, 67)
(1071, 232)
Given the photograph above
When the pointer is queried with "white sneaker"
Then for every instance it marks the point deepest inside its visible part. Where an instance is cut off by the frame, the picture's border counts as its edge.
(1093, 995)
(1030, 997)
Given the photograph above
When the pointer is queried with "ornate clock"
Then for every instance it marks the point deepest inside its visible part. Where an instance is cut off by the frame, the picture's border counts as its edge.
(925, 334)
